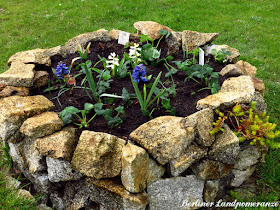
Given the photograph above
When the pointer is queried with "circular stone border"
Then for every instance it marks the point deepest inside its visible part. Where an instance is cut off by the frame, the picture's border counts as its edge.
(115, 173)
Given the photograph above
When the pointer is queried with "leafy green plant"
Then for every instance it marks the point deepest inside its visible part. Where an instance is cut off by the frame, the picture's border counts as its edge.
(113, 120)
(248, 125)
(193, 60)
(183, 65)
(166, 105)
(146, 100)
(206, 75)
(221, 55)
(83, 53)
(66, 115)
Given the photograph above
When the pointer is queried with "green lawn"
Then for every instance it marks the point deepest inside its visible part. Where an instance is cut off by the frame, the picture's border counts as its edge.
(252, 26)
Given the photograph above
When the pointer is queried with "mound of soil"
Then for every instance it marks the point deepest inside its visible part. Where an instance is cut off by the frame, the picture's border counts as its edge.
(185, 101)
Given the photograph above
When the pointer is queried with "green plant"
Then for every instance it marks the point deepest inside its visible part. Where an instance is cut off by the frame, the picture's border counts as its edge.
(145, 100)
(149, 52)
(113, 120)
(82, 52)
(193, 60)
(183, 65)
(206, 75)
(166, 104)
(6, 150)
(66, 115)
(248, 125)
(221, 55)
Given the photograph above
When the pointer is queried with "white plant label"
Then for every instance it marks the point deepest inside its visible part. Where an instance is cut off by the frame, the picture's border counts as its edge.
(123, 37)
(201, 57)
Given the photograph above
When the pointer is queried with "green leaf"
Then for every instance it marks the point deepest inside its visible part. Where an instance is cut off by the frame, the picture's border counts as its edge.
(67, 118)
(88, 107)
(166, 104)
(120, 109)
(196, 67)
(173, 111)
(72, 110)
(145, 112)
(170, 57)
(98, 108)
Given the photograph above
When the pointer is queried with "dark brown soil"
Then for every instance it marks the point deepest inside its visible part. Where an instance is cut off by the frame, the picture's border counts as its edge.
(185, 101)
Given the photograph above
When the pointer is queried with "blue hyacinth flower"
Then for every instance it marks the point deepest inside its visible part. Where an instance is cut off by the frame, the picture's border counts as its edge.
(139, 73)
(61, 70)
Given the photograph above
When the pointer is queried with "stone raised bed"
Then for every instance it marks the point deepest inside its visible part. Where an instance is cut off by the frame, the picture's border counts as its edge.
(174, 160)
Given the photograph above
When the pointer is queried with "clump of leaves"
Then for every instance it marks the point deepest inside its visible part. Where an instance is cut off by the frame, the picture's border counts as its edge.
(66, 115)
(206, 75)
(113, 116)
(248, 125)
(150, 52)
(221, 55)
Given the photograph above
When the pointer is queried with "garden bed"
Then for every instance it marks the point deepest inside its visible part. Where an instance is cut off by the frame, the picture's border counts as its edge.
(187, 91)
(152, 156)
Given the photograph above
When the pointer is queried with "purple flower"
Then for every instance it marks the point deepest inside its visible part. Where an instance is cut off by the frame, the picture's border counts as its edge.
(139, 73)
(61, 70)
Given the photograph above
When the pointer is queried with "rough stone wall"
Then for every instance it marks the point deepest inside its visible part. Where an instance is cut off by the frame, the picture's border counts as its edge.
(173, 160)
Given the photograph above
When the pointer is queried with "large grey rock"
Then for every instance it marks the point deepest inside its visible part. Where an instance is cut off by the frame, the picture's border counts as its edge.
(150, 28)
(192, 39)
(173, 193)
(215, 190)
(60, 170)
(57, 201)
(76, 194)
(26, 155)
(235, 89)
(37, 177)
(247, 157)
(41, 125)
(138, 170)
(111, 194)
(210, 169)
(155, 172)
(19, 75)
(191, 155)
(241, 175)
(15, 110)
(72, 45)
(59, 145)
(34, 160)
(225, 148)
(98, 155)
(165, 138)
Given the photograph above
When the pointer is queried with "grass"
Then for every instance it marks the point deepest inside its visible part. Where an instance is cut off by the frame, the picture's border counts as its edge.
(8, 197)
(252, 26)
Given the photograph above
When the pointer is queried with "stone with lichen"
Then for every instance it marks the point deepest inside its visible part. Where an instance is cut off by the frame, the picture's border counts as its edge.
(98, 155)
(41, 125)
(165, 138)
(59, 145)
(15, 110)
